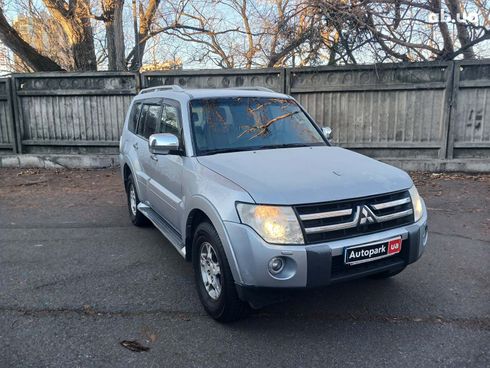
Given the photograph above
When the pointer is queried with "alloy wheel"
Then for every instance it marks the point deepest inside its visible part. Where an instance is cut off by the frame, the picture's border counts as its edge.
(132, 200)
(210, 270)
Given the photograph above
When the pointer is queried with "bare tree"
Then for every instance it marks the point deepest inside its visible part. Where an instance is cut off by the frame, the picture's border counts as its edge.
(201, 28)
(35, 60)
(250, 33)
(454, 7)
(266, 35)
(295, 26)
(146, 18)
(75, 18)
(112, 16)
(401, 30)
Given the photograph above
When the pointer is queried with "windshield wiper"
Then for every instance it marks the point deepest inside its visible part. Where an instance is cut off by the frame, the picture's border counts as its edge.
(286, 145)
(226, 150)
(255, 148)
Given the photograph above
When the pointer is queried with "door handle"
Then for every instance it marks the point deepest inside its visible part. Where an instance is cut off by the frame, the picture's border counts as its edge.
(135, 145)
(154, 157)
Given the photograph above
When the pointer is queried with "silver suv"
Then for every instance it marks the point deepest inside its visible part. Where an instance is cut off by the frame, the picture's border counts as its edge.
(246, 186)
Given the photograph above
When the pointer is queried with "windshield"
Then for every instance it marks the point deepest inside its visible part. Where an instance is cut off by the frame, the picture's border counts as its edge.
(250, 123)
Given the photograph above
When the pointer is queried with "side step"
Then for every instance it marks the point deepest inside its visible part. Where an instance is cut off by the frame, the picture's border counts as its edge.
(165, 228)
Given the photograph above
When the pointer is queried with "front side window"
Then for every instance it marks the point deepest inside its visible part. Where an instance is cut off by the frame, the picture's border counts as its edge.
(250, 123)
(170, 120)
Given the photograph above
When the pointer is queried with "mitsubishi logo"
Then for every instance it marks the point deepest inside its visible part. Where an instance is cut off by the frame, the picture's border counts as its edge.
(366, 215)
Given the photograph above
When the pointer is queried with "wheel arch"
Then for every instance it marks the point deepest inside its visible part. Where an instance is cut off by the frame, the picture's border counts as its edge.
(202, 210)
(195, 217)
(126, 173)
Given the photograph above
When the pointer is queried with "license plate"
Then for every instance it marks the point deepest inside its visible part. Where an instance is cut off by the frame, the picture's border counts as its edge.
(372, 251)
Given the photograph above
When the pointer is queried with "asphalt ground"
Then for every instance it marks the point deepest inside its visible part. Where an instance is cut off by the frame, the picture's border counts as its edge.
(77, 279)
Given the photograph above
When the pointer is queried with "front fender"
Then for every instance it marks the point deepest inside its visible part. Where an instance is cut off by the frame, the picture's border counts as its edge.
(199, 202)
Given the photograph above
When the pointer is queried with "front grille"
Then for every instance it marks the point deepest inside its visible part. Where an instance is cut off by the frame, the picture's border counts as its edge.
(348, 218)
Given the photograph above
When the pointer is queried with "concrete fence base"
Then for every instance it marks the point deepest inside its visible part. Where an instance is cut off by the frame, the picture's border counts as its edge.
(59, 161)
(111, 161)
(455, 165)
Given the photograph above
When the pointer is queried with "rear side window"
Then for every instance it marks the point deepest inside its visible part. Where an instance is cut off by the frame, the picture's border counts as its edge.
(150, 116)
(133, 118)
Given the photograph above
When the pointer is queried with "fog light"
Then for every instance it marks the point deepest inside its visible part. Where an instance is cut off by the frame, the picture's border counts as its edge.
(276, 265)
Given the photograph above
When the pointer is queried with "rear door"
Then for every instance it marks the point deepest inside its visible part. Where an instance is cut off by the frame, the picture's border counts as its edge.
(129, 138)
(150, 115)
(165, 184)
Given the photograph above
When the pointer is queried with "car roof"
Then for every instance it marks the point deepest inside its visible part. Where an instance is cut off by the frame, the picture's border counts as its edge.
(178, 93)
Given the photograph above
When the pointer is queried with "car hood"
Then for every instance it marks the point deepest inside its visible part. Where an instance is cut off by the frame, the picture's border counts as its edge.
(306, 174)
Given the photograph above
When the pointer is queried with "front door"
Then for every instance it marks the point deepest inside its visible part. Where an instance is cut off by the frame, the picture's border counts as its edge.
(165, 171)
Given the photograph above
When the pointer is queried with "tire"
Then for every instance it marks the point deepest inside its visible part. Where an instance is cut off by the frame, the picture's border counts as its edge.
(219, 298)
(137, 218)
(387, 274)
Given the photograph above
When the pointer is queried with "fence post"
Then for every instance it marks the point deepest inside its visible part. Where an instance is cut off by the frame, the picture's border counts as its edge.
(11, 115)
(140, 79)
(18, 121)
(287, 81)
(453, 109)
(449, 95)
(8, 124)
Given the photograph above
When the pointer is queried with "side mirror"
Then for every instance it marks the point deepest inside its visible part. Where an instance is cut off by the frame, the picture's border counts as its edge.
(163, 143)
(327, 132)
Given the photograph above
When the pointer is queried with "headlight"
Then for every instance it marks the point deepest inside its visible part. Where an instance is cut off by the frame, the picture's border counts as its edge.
(416, 203)
(275, 224)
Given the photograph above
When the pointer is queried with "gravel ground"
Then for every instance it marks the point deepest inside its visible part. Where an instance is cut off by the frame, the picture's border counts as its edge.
(77, 279)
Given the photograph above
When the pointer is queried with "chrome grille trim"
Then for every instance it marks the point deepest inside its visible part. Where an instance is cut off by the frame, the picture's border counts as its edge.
(398, 202)
(393, 215)
(322, 215)
(344, 225)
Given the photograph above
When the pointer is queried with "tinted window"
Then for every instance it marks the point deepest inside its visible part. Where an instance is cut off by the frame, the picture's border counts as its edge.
(133, 118)
(150, 116)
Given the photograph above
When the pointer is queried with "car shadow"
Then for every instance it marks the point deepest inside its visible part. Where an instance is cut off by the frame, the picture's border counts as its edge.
(358, 300)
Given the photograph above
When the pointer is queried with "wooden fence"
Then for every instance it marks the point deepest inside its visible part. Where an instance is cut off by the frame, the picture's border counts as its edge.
(421, 111)
(71, 113)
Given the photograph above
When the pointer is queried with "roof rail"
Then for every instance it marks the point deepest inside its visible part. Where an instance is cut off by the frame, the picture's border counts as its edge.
(172, 87)
(258, 88)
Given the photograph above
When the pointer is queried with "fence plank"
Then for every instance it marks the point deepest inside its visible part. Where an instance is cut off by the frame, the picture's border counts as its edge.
(7, 128)
(470, 114)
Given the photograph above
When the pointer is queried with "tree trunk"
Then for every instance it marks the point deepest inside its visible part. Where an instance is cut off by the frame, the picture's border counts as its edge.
(11, 38)
(146, 17)
(75, 18)
(455, 8)
(83, 40)
(113, 20)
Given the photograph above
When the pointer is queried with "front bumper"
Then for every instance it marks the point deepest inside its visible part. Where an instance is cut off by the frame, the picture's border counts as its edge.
(317, 264)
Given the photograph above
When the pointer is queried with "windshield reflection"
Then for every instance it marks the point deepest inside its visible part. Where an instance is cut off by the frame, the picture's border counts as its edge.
(246, 123)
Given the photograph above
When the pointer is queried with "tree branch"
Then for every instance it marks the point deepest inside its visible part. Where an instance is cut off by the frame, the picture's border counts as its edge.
(35, 60)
